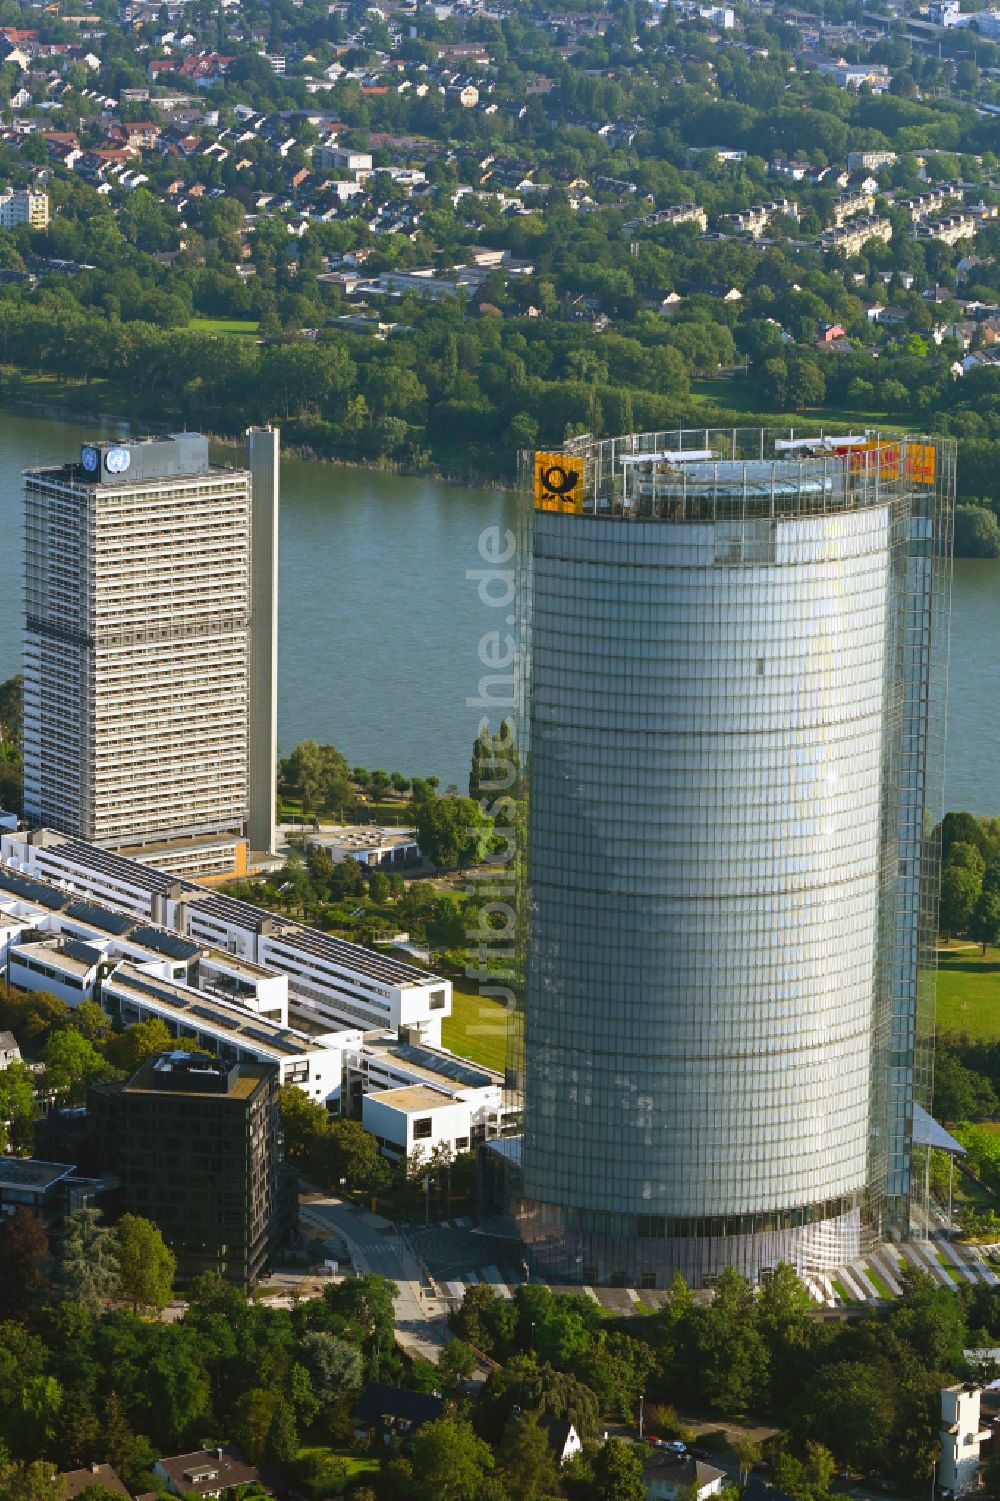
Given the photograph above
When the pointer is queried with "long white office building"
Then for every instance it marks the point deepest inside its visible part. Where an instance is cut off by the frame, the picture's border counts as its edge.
(333, 983)
(94, 932)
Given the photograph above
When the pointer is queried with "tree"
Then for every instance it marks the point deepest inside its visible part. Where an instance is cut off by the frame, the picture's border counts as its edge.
(334, 1366)
(71, 1063)
(961, 889)
(452, 831)
(527, 1458)
(734, 1357)
(449, 1462)
(618, 1472)
(304, 1123)
(849, 1407)
(17, 1108)
(145, 1263)
(130, 1049)
(93, 1023)
(985, 924)
(87, 1269)
(455, 1364)
(350, 1153)
(748, 1454)
(977, 534)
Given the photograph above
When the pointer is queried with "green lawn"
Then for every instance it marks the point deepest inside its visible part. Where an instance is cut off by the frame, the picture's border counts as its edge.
(243, 327)
(477, 1028)
(740, 394)
(968, 993)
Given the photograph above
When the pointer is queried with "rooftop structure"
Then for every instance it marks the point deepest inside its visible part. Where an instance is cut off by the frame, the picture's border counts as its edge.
(734, 634)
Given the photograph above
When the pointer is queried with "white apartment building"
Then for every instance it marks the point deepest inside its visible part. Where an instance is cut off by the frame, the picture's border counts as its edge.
(870, 161)
(949, 229)
(332, 983)
(137, 613)
(850, 238)
(23, 206)
(850, 205)
(961, 1435)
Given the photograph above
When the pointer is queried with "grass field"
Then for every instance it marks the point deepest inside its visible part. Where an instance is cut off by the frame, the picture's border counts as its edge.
(477, 1028)
(741, 394)
(242, 327)
(968, 993)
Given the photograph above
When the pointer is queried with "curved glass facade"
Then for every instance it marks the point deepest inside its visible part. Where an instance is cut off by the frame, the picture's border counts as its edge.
(718, 695)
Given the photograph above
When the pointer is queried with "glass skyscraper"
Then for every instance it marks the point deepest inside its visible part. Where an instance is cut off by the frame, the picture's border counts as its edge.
(736, 646)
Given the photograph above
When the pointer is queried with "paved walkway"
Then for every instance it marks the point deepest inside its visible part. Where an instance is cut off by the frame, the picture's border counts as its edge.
(375, 1245)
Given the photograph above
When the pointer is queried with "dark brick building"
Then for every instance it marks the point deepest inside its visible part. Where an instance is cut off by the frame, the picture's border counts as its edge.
(196, 1143)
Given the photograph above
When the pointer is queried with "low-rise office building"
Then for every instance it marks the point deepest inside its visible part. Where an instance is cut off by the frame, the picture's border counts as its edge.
(336, 983)
(411, 1096)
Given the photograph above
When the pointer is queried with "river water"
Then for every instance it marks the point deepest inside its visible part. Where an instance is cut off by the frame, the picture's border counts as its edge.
(380, 624)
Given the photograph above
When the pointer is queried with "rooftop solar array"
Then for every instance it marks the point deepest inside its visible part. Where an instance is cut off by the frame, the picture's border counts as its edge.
(86, 954)
(456, 1069)
(33, 891)
(239, 1026)
(349, 956)
(162, 942)
(337, 951)
(100, 917)
(115, 867)
(228, 910)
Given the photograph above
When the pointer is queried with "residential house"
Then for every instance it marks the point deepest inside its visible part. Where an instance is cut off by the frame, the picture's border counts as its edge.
(207, 1472)
(9, 1050)
(564, 1441)
(392, 1413)
(73, 1483)
(677, 1477)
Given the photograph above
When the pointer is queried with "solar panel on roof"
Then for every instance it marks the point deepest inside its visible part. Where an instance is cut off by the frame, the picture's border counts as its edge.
(100, 917)
(449, 1068)
(130, 872)
(261, 1036)
(350, 957)
(170, 944)
(33, 891)
(77, 949)
(218, 1018)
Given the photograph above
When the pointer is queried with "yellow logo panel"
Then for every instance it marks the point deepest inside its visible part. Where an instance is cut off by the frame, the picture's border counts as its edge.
(920, 463)
(558, 482)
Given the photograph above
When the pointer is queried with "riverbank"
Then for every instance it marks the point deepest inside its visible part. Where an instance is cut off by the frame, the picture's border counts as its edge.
(103, 403)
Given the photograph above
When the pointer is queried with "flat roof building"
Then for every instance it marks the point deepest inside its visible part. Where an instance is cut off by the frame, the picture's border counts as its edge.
(333, 983)
(195, 1142)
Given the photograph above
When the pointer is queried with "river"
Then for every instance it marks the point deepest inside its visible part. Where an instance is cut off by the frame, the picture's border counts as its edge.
(380, 625)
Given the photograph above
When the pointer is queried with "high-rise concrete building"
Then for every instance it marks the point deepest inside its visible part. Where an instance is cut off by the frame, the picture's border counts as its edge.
(736, 649)
(264, 463)
(136, 649)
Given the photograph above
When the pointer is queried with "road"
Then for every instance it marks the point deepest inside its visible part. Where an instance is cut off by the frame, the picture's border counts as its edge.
(376, 1245)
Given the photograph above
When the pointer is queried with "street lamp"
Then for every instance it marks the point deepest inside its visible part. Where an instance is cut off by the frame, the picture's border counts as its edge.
(640, 1417)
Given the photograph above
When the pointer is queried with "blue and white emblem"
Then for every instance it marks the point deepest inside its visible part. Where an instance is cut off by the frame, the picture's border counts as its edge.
(90, 459)
(117, 460)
